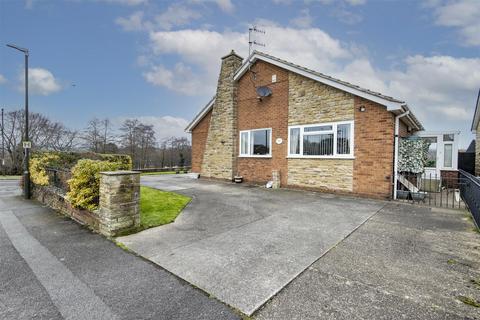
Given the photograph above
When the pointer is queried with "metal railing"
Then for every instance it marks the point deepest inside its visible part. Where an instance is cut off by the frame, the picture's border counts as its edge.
(470, 191)
(58, 178)
(431, 189)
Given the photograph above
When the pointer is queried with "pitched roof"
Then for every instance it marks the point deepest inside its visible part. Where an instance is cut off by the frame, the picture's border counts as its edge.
(391, 103)
(476, 115)
(200, 115)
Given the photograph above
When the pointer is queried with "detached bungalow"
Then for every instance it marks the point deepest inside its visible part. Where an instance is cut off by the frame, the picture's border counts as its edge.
(273, 120)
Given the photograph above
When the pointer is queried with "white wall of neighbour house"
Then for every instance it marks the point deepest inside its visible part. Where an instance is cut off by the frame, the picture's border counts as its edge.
(441, 156)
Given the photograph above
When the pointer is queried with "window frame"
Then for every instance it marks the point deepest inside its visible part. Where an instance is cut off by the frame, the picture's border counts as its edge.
(334, 125)
(250, 144)
(451, 155)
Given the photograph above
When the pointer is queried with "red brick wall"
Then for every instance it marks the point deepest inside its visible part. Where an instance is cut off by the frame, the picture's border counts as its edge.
(374, 149)
(199, 139)
(272, 112)
(403, 129)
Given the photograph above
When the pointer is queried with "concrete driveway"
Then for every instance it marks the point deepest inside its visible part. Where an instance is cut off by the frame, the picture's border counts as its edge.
(244, 244)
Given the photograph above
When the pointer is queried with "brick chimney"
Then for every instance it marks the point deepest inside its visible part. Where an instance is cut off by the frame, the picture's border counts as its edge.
(219, 157)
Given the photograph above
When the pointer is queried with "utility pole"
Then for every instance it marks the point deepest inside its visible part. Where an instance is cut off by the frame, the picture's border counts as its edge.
(3, 146)
(26, 142)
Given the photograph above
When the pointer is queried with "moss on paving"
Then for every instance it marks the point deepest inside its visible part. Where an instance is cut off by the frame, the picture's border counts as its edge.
(159, 207)
(470, 301)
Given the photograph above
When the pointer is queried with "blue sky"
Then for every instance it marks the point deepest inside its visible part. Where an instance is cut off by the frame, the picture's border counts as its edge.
(159, 60)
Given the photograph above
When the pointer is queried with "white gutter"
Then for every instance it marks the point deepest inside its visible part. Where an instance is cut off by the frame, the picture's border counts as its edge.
(395, 161)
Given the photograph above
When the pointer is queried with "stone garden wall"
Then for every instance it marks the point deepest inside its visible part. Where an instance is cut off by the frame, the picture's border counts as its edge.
(118, 212)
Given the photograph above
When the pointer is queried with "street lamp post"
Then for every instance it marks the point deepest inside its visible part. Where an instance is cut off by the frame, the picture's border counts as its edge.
(26, 145)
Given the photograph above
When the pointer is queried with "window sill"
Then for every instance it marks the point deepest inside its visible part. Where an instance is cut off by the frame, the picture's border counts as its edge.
(266, 156)
(321, 157)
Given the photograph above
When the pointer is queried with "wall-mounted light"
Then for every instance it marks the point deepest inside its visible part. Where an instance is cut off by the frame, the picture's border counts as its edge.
(362, 109)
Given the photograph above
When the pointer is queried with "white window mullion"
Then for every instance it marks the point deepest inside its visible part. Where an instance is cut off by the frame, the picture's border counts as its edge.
(334, 139)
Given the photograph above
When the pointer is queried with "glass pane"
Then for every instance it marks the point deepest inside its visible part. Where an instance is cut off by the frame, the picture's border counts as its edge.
(343, 139)
(295, 141)
(432, 152)
(244, 143)
(317, 128)
(318, 144)
(447, 155)
(448, 137)
(261, 142)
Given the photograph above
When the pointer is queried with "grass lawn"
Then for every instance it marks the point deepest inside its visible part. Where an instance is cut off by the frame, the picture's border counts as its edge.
(159, 207)
(10, 177)
(157, 173)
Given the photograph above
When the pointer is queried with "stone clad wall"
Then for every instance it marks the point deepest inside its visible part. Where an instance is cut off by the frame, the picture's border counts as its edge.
(312, 102)
(327, 174)
(219, 156)
(119, 207)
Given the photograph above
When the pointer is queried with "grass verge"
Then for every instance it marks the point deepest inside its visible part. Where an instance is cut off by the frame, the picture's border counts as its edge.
(10, 177)
(159, 207)
(157, 173)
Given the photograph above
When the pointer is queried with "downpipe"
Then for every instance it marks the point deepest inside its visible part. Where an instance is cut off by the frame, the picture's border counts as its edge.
(395, 162)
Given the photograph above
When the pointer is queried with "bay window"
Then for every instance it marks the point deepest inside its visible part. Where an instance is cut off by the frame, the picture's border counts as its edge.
(326, 140)
(256, 143)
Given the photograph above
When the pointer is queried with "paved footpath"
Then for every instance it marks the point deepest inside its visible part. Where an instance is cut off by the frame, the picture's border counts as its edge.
(52, 268)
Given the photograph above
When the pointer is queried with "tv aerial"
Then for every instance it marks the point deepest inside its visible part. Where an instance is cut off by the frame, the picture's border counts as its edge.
(251, 41)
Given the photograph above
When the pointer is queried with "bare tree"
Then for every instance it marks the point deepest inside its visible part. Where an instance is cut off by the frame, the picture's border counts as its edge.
(44, 135)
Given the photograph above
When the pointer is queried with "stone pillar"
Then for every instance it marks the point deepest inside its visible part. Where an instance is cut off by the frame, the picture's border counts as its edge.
(276, 179)
(119, 209)
(219, 156)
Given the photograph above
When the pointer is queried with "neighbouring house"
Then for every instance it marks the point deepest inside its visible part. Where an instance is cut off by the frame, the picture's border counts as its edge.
(476, 130)
(272, 118)
(466, 158)
(442, 156)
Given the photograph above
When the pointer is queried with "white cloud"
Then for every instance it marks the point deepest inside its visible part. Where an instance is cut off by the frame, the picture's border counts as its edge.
(40, 81)
(164, 126)
(2, 79)
(304, 20)
(125, 2)
(462, 14)
(200, 52)
(356, 2)
(440, 89)
(176, 15)
(439, 83)
(179, 79)
(224, 5)
(134, 22)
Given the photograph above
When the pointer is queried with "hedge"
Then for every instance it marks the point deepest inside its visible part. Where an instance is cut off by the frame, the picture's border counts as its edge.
(42, 160)
(85, 182)
(85, 167)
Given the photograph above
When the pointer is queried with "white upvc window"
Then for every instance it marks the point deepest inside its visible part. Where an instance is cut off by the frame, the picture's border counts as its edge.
(256, 143)
(322, 140)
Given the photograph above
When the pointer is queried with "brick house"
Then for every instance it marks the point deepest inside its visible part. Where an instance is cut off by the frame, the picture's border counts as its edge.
(314, 131)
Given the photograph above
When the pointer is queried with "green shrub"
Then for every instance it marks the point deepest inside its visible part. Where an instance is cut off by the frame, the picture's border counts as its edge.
(85, 182)
(38, 163)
